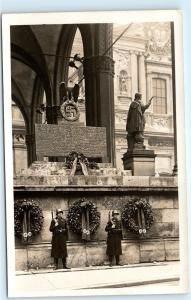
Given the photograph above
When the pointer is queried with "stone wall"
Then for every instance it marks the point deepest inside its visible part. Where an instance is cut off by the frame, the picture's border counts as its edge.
(160, 243)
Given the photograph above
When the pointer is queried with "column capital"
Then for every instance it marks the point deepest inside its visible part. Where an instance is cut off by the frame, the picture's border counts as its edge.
(97, 64)
(134, 52)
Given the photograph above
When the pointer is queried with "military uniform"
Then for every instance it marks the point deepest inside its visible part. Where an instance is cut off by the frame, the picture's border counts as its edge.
(114, 230)
(59, 230)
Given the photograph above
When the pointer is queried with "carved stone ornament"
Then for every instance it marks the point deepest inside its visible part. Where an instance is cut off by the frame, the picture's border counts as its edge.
(70, 110)
(158, 35)
(19, 139)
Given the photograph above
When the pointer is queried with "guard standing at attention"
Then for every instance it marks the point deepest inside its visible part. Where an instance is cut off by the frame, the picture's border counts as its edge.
(59, 230)
(114, 230)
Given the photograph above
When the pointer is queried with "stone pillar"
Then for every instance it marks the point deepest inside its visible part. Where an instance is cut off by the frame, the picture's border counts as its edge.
(142, 77)
(99, 73)
(19, 152)
(52, 113)
(30, 142)
(134, 74)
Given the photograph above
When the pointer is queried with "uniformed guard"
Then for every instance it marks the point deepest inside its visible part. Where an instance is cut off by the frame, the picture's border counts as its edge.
(59, 230)
(114, 230)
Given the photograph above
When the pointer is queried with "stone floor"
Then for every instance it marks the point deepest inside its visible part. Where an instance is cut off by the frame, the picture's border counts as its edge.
(128, 279)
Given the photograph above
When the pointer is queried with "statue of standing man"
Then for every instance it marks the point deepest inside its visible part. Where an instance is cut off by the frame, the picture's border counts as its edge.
(136, 123)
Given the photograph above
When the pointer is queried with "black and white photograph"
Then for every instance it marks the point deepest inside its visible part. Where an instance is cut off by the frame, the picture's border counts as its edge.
(95, 153)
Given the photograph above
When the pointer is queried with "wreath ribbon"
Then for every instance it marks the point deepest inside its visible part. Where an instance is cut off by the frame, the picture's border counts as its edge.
(141, 220)
(26, 234)
(85, 224)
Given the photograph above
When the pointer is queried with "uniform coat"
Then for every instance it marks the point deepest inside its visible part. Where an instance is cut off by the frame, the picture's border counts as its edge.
(114, 239)
(59, 230)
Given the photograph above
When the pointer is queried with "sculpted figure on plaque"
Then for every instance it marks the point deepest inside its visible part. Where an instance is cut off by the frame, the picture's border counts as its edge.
(136, 123)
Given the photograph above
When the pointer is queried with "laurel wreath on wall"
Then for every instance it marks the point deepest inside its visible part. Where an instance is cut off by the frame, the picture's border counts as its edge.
(34, 226)
(75, 216)
(137, 216)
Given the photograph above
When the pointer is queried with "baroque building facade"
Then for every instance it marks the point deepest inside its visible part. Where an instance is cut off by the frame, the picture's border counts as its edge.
(143, 64)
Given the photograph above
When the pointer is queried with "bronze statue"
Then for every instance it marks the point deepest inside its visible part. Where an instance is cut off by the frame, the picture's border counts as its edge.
(136, 123)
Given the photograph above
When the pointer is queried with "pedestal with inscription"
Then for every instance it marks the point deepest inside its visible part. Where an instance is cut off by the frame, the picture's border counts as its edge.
(59, 140)
(140, 161)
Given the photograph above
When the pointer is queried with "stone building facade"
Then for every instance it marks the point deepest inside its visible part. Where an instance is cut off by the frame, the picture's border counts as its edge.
(143, 63)
(141, 60)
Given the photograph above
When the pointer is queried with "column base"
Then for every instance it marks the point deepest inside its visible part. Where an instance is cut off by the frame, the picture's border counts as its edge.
(140, 162)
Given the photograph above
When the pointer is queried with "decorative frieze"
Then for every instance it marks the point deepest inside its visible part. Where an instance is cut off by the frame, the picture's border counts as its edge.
(158, 122)
(160, 141)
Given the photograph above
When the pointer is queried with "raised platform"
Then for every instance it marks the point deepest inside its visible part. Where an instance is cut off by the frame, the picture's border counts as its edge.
(109, 189)
(54, 175)
(140, 162)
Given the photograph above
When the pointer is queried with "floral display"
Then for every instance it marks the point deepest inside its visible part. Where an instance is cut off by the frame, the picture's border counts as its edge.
(137, 216)
(80, 158)
(75, 217)
(28, 218)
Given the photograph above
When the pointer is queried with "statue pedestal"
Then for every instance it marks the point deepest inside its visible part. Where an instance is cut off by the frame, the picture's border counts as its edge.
(140, 162)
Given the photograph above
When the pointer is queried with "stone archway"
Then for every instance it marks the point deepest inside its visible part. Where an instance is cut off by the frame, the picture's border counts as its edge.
(98, 69)
(98, 74)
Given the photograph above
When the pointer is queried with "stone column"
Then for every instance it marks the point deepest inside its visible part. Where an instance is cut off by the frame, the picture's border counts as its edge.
(31, 150)
(52, 113)
(134, 74)
(142, 77)
(99, 73)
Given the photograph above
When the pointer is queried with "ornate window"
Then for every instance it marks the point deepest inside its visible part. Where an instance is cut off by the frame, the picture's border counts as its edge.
(123, 82)
(160, 92)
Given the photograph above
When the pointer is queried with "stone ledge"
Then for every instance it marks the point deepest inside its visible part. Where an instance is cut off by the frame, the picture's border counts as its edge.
(93, 180)
(97, 189)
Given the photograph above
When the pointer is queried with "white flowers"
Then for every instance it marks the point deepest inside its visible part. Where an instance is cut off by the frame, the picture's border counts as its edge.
(85, 231)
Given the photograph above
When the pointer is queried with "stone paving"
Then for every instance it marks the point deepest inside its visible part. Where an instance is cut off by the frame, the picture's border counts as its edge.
(103, 278)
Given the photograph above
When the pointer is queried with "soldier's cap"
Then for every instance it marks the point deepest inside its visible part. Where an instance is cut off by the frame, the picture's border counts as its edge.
(59, 210)
(138, 95)
(115, 212)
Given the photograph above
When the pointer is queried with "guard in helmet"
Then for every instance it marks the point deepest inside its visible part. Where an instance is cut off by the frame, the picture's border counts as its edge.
(59, 230)
(114, 230)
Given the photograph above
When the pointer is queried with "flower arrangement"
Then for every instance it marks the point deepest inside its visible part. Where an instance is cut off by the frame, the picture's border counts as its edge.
(28, 218)
(137, 215)
(75, 217)
(80, 158)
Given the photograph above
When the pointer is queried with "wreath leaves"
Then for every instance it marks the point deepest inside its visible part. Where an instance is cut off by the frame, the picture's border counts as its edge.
(129, 214)
(36, 216)
(75, 216)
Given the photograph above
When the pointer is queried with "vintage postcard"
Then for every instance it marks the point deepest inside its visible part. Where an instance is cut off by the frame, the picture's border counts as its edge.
(95, 153)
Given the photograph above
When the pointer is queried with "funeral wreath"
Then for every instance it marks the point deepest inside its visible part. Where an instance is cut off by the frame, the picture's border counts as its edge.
(28, 218)
(75, 216)
(80, 158)
(137, 215)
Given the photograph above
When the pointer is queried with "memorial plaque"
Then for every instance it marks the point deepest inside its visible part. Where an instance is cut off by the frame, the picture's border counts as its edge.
(60, 140)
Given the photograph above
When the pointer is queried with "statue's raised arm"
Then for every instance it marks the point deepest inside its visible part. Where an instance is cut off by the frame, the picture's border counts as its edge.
(136, 122)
